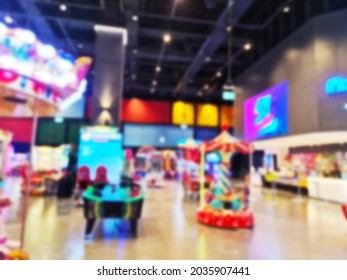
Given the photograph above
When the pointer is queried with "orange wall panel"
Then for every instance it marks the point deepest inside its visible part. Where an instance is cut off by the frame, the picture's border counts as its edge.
(183, 113)
(140, 111)
(207, 115)
(227, 116)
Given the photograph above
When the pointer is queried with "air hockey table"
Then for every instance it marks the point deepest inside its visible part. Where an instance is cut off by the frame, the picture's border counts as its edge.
(105, 201)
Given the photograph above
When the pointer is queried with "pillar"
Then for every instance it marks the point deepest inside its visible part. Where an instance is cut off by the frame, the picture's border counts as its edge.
(108, 75)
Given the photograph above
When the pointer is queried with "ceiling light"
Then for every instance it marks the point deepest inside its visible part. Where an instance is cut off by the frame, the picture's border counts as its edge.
(286, 9)
(154, 83)
(229, 28)
(219, 74)
(247, 46)
(63, 7)
(158, 69)
(8, 19)
(152, 90)
(80, 46)
(199, 93)
(167, 38)
(206, 87)
(207, 59)
(135, 18)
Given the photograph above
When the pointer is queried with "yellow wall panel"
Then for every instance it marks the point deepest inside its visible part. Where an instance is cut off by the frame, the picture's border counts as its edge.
(227, 116)
(183, 113)
(207, 115)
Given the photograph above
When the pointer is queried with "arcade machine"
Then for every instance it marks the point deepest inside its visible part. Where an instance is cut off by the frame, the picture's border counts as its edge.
(109, 194)
(142, 161)
(190, 172)
(169, 164)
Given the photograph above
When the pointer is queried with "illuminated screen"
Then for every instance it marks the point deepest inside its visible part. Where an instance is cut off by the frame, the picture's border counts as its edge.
(228, 95)
(266, 114)
(101, 146)
(155, 135)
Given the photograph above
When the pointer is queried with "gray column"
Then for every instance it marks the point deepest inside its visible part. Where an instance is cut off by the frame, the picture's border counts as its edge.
(108, 75)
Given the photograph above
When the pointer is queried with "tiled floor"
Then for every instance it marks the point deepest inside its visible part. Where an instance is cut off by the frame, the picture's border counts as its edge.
(168, 230)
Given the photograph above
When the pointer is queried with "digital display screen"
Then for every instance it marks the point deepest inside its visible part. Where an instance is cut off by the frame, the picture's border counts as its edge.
(266, 114)
(155, 135)
(102, 146)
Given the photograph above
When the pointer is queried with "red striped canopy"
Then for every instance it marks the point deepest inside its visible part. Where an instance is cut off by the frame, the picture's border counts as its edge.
(226, 143)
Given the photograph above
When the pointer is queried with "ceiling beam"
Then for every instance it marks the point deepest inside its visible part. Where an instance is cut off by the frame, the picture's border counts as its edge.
(216, 39)
(195, 21)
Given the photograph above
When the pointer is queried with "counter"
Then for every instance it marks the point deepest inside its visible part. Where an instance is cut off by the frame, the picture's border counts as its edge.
(328, 189)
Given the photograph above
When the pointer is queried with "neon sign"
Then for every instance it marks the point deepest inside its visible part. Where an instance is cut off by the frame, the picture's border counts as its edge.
(266, 114)
(336, 85)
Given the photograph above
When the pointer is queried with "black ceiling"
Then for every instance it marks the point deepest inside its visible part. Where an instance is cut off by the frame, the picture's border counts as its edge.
(198, 49)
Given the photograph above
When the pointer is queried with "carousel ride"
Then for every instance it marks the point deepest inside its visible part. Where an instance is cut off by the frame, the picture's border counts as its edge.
(35, 80)
(221, 204)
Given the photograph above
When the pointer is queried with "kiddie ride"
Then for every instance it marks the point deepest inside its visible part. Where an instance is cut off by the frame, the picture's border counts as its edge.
(103, 200)
(221, 205)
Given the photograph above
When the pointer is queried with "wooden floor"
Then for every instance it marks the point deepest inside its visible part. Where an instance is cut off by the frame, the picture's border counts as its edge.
(168, 230)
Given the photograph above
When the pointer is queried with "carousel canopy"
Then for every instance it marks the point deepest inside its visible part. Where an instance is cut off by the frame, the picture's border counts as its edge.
(224, 142)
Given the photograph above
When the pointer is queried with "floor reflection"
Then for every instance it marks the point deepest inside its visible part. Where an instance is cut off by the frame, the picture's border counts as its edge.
(168, 229)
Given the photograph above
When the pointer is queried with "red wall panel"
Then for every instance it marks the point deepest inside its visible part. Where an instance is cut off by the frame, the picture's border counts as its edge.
(140, 111)
(20, 127)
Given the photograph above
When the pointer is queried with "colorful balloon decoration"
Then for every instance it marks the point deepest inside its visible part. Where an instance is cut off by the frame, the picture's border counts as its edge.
(29, 66)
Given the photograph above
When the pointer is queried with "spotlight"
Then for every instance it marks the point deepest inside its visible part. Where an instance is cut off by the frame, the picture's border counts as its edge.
(152, 90)
(247, 46)
(206, 87)
(207, 59)
(63, 7)
(219, 74)
(8, 19)
(135, 18)
(286, 9)
(167, 38)
(199, 93)
(80, 46)
(158, 69)
(154, 83)
(229, 28)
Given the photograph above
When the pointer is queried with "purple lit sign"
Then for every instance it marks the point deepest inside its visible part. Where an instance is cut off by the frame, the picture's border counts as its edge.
(266, 114)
